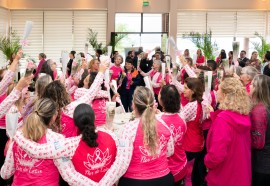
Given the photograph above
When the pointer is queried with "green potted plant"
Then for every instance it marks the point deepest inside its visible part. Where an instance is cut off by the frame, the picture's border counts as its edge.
(203, 42)
(261, 47)
(9, 45)
(92, 39)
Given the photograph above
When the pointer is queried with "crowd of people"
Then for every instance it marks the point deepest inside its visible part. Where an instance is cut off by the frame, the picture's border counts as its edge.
(187, 129)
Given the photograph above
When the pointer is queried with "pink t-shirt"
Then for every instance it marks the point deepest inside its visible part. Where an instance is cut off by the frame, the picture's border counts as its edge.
(143, 165)
(178, 161)
(93, 162)
(248, 88)
(99, 107)
(194, 140)
(200, 60)
(206, 124)
(31, 171)
(116, 71)
(156, 78)
(69, 129)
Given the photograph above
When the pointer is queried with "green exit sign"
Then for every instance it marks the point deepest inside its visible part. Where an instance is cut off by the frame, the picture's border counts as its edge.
(145, 3)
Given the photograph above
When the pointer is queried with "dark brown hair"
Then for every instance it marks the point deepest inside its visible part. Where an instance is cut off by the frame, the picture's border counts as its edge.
(197, 87)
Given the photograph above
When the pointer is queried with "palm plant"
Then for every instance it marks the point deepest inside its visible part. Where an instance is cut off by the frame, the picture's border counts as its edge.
(262, 47)
(9, 45)
(203, 42)
(92, 39)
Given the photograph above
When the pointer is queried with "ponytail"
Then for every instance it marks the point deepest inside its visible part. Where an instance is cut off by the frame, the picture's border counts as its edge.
(33, 128)
(89, 136)
(150, 130)
(143, 100)
(37, 122)
(84, 119)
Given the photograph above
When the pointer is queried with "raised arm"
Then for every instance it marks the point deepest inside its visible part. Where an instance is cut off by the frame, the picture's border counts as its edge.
(14, 95)
(8, 168)
(145, 74)
(178, 85)
(9, 75)
(90, 95)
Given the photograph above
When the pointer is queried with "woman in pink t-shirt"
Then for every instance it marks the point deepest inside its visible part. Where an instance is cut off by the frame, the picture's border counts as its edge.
(116, 69)
(155, 78)
(151, 139)
(57, 92)
(96, 154)
(200, 58)
(99, 102)
(170, 100)
(247, 75)
(27, 170)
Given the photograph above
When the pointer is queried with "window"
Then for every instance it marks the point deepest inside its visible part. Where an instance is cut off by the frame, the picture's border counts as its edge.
(35, 40)
(225, 25)
(54, 31)
(152, 22)
(57, 33)
(127, 22)
(188, 21)
(96, 20)
(142, 30)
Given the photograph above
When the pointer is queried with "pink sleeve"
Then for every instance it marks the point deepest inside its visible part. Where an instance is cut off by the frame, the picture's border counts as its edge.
(189, 71)
(72, 89)
(207, 100)
(219, 142)
(178, 85)
(156, 84)
(69, 82)
(9, 101)
(102, 94)
(87, 98)
(188, 112)
(8, 77)
(65, 147)
(8, 168)
(79, 92)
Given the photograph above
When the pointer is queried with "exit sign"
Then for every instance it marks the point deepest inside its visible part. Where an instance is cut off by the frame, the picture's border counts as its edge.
(145, 3)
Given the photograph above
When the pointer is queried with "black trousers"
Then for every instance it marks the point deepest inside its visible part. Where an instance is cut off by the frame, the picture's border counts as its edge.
(126, 99)
(159, 106)
(196, 175)
(167, 180)
(260, 179)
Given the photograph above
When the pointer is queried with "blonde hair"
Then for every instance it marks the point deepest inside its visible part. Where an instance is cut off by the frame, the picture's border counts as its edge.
(91, 63)
(261, 90)
(39, 120)
(143, 100)
(41, 83)
(236, 98)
